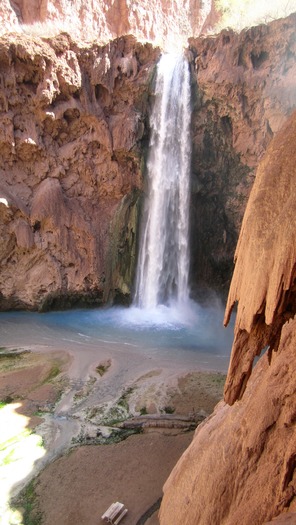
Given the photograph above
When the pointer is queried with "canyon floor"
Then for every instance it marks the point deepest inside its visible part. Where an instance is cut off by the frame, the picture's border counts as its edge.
(85, 460)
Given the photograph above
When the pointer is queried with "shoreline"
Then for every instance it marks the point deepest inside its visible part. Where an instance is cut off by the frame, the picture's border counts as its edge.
(67, 397)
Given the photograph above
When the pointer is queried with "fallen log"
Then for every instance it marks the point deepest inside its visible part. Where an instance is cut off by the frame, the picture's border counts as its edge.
(163, 421)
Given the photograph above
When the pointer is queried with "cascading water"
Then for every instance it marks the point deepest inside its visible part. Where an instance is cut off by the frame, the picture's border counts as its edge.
(163, 265)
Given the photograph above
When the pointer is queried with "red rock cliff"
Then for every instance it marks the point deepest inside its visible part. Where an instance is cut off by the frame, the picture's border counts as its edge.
(73, 124)
(104, 20)
(246, 89)
(241, 465)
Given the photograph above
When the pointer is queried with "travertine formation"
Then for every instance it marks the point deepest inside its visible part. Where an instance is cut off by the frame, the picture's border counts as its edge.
(246, 89)
(156, 21)
(264, 278)
(73, 126)
(241, 466)
(73, 139)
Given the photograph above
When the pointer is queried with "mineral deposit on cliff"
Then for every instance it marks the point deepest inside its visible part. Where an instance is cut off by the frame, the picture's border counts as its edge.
(246, 89)
(240, 467)
(73, 129)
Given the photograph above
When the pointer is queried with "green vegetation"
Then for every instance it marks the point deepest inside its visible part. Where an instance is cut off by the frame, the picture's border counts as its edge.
(103, 367)
(112, 415)
(10, 356)
(169, 409)
(123, 400)
(239, 14)
(115, 436)
(27, 501)
(53, 373)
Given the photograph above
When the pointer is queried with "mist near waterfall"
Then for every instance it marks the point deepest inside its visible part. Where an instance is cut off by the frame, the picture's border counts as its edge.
(192, 337)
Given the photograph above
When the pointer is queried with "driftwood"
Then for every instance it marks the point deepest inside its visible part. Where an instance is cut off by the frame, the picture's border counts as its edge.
(163, 421)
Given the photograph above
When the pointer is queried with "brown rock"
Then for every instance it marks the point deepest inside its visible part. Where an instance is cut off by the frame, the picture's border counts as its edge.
(264, 275)
(245, 92)
(102, 21)
(240, 467)
(70, 168)
(287, 518)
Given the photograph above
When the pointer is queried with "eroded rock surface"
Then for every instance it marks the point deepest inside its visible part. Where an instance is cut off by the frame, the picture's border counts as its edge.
(73, 133)
(241, 465)
(78, 115)
(97, 20)
(263, 282)
(246, 90)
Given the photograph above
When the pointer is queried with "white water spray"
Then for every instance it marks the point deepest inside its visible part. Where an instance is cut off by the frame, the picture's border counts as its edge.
(162, 275)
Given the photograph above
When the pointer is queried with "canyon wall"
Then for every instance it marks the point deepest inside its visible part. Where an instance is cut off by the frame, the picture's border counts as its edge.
(245, 90)
(241, 465)
(157, 21)
(74, 136)
(73, 133)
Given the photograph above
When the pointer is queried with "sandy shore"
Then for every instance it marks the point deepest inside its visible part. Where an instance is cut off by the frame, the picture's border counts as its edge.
(72, 402)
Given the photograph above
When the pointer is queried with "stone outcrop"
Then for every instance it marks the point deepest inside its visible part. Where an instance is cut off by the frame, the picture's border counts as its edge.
(245, 91)
(241, 465)
(264, 279)
(72, 139)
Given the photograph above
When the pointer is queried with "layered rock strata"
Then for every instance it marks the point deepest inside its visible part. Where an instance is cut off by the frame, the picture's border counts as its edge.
(73, 132)
(246, 89)
(241, 465)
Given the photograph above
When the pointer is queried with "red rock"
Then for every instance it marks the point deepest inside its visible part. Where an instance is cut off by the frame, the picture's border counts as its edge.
(70, 168)
(102, 21)
(241, 465)
(264, 275)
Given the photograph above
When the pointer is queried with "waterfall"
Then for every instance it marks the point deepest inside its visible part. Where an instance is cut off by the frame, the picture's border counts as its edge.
(163, 263)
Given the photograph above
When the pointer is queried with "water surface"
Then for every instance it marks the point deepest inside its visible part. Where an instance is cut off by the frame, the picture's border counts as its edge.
(187, 335)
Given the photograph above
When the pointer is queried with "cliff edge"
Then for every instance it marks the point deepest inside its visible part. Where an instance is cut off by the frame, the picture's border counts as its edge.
(240, 467)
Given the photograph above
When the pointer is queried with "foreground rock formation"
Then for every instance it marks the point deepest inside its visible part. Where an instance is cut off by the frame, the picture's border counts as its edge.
(73, 130)
(240, 467)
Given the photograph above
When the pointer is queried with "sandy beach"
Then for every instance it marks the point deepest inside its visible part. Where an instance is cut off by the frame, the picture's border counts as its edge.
(70, 403)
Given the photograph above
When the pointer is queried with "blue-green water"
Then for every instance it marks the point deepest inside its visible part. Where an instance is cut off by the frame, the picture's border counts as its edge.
(192, 333)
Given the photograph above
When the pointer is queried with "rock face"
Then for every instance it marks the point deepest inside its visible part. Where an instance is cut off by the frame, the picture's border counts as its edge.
(241, 465)
(264, 278)
(246, 89)
(73, 132)
(109, 19)
(73, 139)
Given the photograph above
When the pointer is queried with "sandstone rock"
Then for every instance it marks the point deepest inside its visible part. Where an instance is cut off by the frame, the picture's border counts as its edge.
(240, 467)
(264, 275)
(24, 234)
(286, 518)
(102, 21)
(79, 115)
